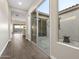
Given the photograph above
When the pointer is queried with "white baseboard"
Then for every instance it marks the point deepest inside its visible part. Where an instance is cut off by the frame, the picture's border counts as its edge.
(52, 57)
(4, 47)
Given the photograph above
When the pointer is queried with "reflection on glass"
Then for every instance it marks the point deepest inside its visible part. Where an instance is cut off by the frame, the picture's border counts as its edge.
(43, 38)
(69, 22)
(34, 26)
(42, 25)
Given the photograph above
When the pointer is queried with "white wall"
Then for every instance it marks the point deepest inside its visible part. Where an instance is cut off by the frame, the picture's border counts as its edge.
(60, 51)
(4, 13)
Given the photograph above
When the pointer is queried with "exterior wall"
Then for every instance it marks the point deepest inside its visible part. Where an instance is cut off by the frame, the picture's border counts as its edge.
(59, 50)
(69, 25)
(4, 31)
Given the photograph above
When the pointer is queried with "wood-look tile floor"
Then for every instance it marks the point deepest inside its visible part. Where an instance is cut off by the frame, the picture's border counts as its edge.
(20, 48)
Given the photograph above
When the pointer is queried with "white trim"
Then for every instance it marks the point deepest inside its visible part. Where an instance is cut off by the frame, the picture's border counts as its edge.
(68, 45)
(52, 57)
(29, 26)
(4, 47)
(36, 4)
(37, 26)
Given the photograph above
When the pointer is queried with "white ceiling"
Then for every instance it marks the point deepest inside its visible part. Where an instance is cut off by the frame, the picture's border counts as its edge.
(26, 4)
(20, 11)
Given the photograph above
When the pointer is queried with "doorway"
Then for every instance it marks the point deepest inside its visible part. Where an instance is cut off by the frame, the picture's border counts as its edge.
(19, 29)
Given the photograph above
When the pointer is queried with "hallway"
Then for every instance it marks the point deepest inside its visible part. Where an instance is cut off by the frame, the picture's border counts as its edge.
(50, 29)
(20, 48)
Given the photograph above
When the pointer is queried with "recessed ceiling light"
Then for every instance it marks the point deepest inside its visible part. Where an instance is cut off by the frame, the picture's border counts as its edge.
(20, 3)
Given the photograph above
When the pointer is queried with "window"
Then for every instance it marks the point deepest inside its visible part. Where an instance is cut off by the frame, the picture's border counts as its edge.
(42, 25)
(18, 28)
(69, 22)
